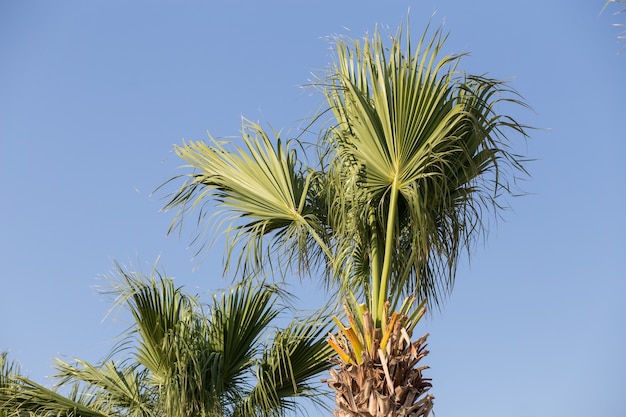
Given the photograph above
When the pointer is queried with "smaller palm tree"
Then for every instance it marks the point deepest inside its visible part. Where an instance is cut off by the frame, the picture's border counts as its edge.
(186, 359)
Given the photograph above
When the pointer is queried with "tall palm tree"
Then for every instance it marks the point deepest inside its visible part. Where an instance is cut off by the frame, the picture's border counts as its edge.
(416, 154)
(186, 360)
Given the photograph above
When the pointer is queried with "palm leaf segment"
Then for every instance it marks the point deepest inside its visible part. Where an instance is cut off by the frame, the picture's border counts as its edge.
(264, 188)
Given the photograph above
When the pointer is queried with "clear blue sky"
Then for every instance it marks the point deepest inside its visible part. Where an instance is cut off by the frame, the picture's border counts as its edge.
(94, 94)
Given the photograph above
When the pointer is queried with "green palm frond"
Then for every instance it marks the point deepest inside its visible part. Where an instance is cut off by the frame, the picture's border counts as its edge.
(160, 311)
(262, 185)
(108, 388)
(387, 107)
(22, 397)
(340, 203)
(287, 368)
(239, 317)
(427, 149)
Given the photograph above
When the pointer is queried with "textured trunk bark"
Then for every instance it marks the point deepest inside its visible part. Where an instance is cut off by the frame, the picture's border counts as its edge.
(389, 384)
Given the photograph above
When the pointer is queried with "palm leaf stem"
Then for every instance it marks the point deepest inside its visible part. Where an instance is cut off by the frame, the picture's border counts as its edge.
(386, 271)
(375, 265)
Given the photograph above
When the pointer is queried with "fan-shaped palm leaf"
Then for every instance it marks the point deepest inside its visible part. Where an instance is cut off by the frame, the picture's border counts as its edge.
(427, 148)
(264, 187)
(286, 368)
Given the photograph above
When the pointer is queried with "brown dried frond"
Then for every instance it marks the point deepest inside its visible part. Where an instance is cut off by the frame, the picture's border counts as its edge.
(389, 384)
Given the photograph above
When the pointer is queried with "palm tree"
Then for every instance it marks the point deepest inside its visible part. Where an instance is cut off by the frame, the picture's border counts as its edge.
(186, 361)
(416, 154)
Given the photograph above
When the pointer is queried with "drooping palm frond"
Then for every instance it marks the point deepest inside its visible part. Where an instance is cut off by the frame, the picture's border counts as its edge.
(109, 388)
(22, 397)
(265, 189)
(286, 369)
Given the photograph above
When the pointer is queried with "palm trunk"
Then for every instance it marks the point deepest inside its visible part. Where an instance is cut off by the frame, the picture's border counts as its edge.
(387, 384)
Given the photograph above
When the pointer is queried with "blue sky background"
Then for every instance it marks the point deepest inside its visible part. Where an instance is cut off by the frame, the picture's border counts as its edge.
(93, 95)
